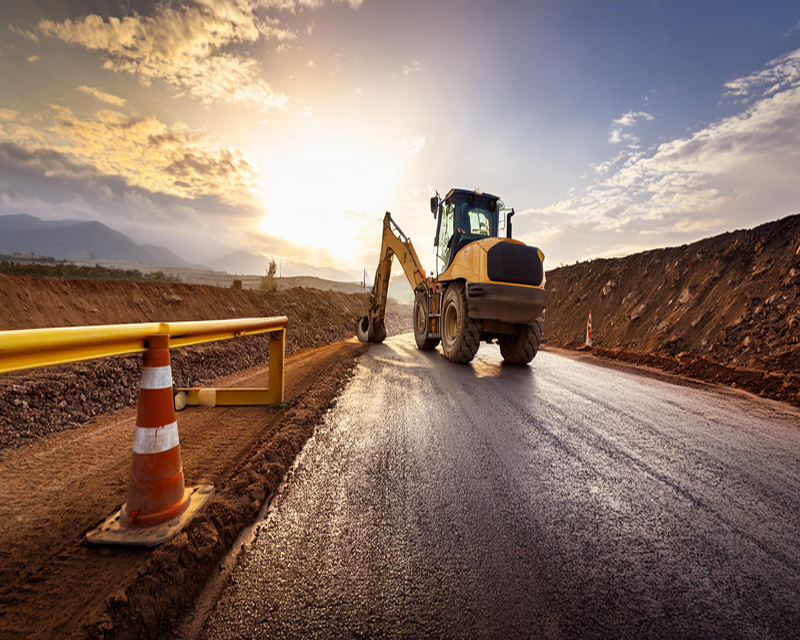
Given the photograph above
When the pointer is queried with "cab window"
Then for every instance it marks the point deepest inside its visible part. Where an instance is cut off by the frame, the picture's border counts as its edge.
(480, 224)
(445, 235)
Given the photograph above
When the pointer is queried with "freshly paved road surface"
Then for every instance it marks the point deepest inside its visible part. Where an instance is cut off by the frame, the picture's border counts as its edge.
(565, 499)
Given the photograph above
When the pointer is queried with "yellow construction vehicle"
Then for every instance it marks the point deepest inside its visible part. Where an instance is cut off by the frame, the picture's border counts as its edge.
(485, 287)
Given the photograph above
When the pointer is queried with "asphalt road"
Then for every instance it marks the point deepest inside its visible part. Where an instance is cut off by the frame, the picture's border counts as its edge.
(565, 499)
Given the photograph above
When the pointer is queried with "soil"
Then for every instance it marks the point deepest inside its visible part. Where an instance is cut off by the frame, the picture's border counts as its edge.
(56, 489)
(724, 309)
(37, 403)
(76, 422)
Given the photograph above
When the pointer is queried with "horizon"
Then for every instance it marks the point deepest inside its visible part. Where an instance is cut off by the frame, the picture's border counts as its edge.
(286, 128)
(398, 278)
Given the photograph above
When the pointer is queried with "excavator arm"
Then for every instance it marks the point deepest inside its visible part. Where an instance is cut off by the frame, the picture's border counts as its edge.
(372, 328)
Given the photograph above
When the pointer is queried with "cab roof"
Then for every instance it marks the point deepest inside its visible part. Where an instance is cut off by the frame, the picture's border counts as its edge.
(470, 192)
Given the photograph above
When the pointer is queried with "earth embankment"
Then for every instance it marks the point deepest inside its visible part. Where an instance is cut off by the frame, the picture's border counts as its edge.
(725, 308)
(36, 403)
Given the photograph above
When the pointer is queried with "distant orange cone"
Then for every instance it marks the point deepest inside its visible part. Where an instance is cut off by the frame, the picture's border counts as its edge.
(158, 505)
(589, 331)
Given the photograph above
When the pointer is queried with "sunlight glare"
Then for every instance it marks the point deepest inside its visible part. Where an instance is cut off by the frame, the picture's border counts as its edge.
(318, 187)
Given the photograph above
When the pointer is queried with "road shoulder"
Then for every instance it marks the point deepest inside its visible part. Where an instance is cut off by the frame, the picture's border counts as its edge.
(56, 489)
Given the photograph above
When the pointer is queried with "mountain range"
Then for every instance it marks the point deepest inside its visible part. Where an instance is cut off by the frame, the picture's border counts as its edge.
(75, 240)
(79, 241)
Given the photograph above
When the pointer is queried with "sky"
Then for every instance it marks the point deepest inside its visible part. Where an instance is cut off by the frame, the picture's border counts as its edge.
(288, 127)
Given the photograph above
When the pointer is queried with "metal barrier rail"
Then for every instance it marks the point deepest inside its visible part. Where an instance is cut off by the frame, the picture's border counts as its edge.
(31, 348)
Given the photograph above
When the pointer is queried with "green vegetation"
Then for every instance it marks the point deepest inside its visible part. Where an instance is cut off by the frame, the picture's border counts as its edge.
(268, 282)
(68, 271)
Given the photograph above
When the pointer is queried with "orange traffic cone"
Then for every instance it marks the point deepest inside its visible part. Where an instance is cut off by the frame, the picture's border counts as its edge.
(589, 331)
(158, 503)
(156, 492)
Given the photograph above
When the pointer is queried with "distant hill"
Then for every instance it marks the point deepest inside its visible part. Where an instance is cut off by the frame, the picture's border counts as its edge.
(25, 222)
(241, 262)
(313, 282)
(165, 258)
(79, 241)
(246, 263)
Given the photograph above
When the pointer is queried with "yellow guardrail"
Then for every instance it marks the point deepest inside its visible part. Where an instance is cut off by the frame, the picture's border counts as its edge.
(32, 348)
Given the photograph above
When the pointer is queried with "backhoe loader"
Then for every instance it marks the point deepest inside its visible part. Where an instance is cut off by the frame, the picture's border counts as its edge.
(485, 287)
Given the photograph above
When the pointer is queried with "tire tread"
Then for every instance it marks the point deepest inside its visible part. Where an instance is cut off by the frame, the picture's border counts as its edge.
(470, 338)
(523, 347)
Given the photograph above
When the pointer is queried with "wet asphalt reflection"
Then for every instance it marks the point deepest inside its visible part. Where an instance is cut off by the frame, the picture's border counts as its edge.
(564, 499)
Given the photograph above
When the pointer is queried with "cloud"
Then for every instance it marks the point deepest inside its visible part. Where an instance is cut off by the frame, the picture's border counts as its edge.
(629, 119)
(626, 120)
(145, 152)
(50, 184)
(779, 74)
(101, 95)
(25, 33)
(315, 4)
(33, 58)
(409, 69)
(738, 170)
(14, 126)
(415, 145)
(186, 48)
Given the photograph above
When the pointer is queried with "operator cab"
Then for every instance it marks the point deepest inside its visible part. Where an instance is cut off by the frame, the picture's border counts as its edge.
(464, 216)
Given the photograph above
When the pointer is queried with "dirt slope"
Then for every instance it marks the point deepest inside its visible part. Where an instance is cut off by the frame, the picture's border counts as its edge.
(36, 403)
(732, 300)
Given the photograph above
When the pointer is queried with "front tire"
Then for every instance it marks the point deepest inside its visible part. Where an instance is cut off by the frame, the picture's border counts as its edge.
(522, 347)
(461, 336)
(420, 320)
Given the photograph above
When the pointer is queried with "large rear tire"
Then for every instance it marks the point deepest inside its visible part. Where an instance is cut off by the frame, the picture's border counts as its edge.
(461, 336)
(420, 320)
(522, 347)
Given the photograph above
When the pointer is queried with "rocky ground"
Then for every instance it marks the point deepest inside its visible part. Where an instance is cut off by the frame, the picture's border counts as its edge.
(40, 402)
(725, 308)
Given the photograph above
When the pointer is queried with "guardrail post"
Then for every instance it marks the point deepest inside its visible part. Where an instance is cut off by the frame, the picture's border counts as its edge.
(277, 348)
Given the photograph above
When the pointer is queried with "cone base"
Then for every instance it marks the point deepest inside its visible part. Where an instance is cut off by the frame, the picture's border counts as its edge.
(112, 531)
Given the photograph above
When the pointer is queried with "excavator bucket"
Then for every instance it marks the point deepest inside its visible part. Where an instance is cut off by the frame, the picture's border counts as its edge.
(367, 331)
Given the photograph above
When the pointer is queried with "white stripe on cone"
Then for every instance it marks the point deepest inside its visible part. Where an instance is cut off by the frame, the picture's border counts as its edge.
(155, 440)
(157, 377)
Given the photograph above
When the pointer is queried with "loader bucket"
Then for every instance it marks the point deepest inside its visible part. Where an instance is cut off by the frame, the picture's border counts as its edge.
(362, 329)
(371, 331)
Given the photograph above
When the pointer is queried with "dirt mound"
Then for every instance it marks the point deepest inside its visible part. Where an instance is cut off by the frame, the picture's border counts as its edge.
(729, 304)
(36, 403)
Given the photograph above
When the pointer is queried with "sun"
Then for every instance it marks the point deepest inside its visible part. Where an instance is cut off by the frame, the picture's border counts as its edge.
(317, 186)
